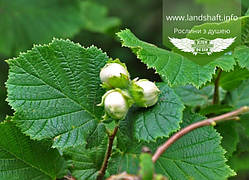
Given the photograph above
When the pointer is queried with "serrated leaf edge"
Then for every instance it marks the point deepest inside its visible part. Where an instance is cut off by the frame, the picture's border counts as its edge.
(138, 54)
(30, 51)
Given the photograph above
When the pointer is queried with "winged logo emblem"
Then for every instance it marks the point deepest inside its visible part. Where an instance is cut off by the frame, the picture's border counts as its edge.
(202, 45)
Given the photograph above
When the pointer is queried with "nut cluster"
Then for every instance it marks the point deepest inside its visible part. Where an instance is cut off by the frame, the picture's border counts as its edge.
(122, 92)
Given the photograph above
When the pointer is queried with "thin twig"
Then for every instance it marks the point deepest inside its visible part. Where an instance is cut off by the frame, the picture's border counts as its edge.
(107, 155)
(69, 178)
(207, 122)
(216, 97)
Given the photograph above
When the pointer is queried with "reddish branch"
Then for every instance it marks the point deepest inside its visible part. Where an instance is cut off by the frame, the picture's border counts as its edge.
(207, 122)
(108, 154)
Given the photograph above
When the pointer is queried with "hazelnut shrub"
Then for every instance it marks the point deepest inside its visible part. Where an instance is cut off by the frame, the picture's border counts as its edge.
(79, 115)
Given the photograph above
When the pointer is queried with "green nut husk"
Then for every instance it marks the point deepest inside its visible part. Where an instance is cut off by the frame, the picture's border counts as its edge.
(116, 103)
(114, 75)
(144, 92)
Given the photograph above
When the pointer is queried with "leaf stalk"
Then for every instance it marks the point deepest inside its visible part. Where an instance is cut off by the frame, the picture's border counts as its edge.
(111, 138)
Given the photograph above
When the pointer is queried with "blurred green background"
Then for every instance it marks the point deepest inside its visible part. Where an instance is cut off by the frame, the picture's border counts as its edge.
(27, 22)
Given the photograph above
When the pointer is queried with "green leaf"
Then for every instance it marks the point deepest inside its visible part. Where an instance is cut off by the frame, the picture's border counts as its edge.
(148, 124)
(247, 12)
(125, 135)
(97, 136)
(244, 120)
(240, 159)
(85, 163)
(26, 22)
(160, 120)
(239, 97)
(231, 80)
(242, 130)
(127, 160)
(215, 109)
(54, 90)
(240, 162)
(173, 68)
(226, 63)
(94, 17)
(126, 156)
(245, 3)
(22, 158)
(192, 96)
(241, 54)
(230, 137)
(197, 155)
(245, 29)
